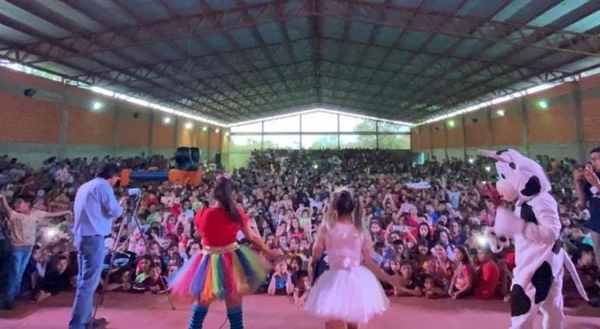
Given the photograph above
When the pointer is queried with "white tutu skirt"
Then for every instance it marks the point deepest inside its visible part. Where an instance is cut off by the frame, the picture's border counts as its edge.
(352, 295)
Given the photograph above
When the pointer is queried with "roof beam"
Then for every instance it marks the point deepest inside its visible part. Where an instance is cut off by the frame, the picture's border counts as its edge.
(541, 77)
(306, 81)
(289, 71)
(462, 27)
(316, 44)
(80, 7)
(184, 87)
(261, 112)
(168, 30)
(501, 91)
(42, 35)
(140, 93)
(262, 44)
(200, 39)
(421, 47)
(370, 41)
(210, 64)
(471, 67)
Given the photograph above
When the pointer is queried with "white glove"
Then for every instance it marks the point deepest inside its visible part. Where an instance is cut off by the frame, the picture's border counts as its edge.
(507, 223)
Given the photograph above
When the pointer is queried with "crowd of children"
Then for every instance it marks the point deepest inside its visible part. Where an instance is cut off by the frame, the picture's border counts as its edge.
(425, 222)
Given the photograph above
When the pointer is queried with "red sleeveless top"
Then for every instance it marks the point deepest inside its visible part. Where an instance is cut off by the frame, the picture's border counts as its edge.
(216, 228)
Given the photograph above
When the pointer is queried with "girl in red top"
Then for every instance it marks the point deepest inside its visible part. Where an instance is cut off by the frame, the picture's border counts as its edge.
(223, 269)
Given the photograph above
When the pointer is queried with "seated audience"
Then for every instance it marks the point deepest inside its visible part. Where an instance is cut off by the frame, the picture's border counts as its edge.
(424, 221)
(487, 275)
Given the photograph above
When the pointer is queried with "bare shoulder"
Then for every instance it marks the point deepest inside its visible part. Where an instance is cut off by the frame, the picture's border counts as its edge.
(323, 229)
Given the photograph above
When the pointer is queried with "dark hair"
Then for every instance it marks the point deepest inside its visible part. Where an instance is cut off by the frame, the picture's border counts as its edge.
(223, 192)
(344, 203)
(581, 248)
(298, 260)
(107, 170)
(405, 263)
(595, 150)
(419, 230)
(423, 242)
(378, 245)
(485, 248)
(61, 257)
(466, 256)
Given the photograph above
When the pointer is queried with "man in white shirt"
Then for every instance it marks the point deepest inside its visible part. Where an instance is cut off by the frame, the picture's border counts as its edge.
(95, 209)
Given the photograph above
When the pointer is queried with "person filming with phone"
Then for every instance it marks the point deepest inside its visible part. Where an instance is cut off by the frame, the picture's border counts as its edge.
(95, 209)
(587, 185)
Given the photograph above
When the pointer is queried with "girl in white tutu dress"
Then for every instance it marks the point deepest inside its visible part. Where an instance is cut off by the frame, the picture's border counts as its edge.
(349, 293)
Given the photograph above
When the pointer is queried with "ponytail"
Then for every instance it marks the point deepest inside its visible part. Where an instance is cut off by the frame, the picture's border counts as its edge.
(358, 214)
(232, 211)
(223, 192)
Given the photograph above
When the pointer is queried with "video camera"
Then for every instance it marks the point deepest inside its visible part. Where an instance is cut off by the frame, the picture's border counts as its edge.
(134, 192)
(133, 195)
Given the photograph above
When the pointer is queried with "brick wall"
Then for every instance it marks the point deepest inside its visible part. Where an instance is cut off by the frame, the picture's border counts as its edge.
(61, 119)
(568, 127)
(28, 120)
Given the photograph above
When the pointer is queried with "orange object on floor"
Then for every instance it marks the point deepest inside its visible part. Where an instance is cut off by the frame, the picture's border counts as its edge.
(180, 177)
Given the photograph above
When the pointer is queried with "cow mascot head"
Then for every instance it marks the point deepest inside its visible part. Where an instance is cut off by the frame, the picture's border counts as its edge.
(520, 179)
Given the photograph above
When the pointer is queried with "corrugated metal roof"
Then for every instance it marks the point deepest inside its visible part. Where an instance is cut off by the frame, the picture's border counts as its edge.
(237, 60)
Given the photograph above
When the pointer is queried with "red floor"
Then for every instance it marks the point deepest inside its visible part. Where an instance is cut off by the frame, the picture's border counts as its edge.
(125, 311)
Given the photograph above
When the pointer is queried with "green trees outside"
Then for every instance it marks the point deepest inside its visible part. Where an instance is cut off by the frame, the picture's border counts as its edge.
(364, 133)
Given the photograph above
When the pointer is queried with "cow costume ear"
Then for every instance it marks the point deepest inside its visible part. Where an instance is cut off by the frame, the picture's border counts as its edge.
(492, 154)
(532, 187)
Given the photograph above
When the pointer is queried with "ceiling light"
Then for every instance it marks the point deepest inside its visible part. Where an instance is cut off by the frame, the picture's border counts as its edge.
(501, 113)
(167, 120)
(205, 128)
(543, 104)
(227, 133)
(189, 125)
(96, 106)
(451, 123)
(217, 130)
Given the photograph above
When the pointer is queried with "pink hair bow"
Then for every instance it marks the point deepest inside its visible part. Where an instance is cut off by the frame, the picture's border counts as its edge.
(223, 175)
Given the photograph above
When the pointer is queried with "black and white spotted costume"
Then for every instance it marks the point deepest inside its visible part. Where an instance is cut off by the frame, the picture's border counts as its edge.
(535, 227)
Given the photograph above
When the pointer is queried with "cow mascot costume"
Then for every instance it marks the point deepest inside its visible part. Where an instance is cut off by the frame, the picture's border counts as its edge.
(535, 228)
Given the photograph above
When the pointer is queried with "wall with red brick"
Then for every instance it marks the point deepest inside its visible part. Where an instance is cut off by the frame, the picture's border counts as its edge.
(17, 115)
(163, 136)
(568, 127)
(87, 127)
(590, 108)
(60, 120)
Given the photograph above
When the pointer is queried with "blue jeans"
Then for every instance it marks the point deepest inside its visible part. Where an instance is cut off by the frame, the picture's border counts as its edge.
(20, 258)
(90, 258)
(6, 265)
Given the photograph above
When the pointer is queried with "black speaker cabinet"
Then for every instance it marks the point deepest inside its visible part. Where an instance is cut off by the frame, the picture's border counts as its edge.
(187, 158)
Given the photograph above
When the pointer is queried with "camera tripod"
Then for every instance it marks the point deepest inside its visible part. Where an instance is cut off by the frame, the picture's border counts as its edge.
(128, 219)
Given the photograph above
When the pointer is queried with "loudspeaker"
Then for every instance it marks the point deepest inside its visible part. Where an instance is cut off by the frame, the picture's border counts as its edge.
(218, 160)
(187, 158)
(195, 154)
(29, 92)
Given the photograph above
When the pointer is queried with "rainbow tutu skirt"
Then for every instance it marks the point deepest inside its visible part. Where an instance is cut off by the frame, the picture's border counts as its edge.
(220, 272)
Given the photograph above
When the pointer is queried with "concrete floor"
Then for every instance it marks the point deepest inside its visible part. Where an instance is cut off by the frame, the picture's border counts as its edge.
(127, 311)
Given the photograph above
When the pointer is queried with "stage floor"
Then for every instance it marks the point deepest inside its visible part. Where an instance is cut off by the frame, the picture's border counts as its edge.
(127, 311)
